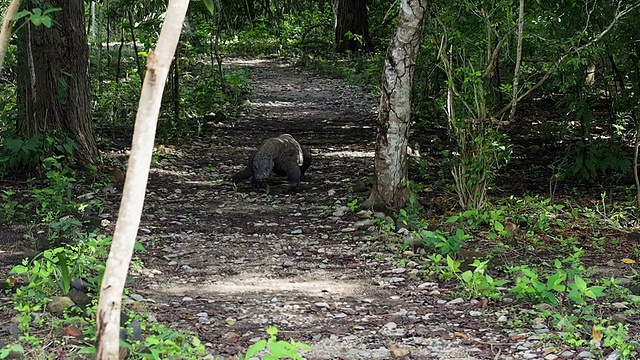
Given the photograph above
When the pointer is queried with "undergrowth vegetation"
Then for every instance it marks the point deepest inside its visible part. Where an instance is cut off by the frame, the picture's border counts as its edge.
(523, 252)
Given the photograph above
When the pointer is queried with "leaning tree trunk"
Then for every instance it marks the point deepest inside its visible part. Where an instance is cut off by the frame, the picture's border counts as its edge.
(53, 78)
(352, 26)
(390, 163)
(124, 237)
(5, 33)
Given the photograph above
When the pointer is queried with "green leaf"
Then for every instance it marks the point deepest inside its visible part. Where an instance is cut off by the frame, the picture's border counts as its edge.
(19, 269)
(272, 331)
(256, 348)
(595, 292)
(51, 10)
(13, 145)
(300, 345)
(21, 14)
(466, 276)
(47, 21)
(282, 349)
(209, 5)
(580, 283)
(88, 350)
(137, 246)
(576, 296)
(64, 272)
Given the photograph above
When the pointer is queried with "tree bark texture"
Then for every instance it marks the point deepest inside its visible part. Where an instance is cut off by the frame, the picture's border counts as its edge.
(390, 163)
(115, 274)
(53, 78)
(351, 17)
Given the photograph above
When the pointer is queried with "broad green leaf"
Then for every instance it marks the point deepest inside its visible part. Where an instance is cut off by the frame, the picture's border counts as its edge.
(210, 7)
(256, 348)
(580, 283)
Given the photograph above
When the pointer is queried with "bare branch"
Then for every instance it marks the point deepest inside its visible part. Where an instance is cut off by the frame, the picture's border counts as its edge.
(619, 14)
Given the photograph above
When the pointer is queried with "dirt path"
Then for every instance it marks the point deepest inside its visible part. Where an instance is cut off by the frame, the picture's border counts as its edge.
(229, 262)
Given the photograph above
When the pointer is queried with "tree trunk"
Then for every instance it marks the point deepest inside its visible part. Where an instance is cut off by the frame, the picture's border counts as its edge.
(7, 23)
(390, 163)
(124, 237)
(53, 78)
(352, 26)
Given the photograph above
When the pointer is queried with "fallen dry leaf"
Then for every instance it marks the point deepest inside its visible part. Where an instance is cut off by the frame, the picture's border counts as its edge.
(460, 335)
(71, 331)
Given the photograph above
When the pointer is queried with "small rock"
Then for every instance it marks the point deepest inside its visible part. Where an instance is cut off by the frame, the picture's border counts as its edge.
(396, 279)
(398, 352)
(613, 356)
(475, 313)
(79, 298)
(340, 211)
(502, 319)
(391, 325)
(528, 355)
(80, 285)
(59, 304)
(585, 354)
(296, 231)
(14, 330)
(427, 285)
(398, 270)
(545, 307)
(619, 318)
(623, 281)
(379, 215)
(187, 298)
(551, 357)
(136, 297)
(619, 305)
(567, 354)
(363, 223)
(456, 301)
(323, 305)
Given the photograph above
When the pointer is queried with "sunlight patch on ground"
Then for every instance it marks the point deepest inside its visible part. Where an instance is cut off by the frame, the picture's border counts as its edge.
(284, 104)
(248, 283)
(349, 154)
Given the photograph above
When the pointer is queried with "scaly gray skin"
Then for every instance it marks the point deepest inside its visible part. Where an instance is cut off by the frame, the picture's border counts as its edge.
(281, 155)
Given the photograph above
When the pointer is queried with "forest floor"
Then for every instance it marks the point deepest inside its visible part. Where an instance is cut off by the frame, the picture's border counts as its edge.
(227, 261)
